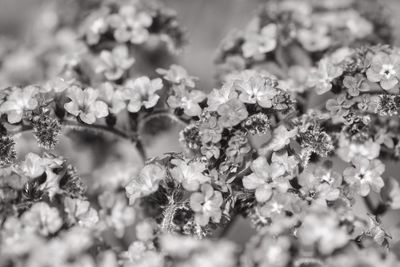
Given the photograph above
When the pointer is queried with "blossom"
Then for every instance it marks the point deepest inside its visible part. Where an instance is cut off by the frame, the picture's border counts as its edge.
(112, 96)
(258, 43)
(323, 231)
(217, 97)
(19, 101)
(142, 92)
(349, 150)
(321, 78)
(79, 211)
(42, 218)
(189, 173)
(130, 25)
(281, 137)
(206, 204)
(384, 69)
(315, 39)
(84, 104)
(187, 100)
(114, 63)
(356, 84)
(232, 113)
(177, 75)
(146, 182)
(365, 175)
(264, 177)
(257, 89)
(315, 189)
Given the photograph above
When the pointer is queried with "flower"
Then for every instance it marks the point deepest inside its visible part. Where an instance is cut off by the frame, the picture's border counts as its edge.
(356, 84)
(34, 166)
(257, 89)
(130, 25)
(259, 43)
(365, 175)
(142, 92)
(322, 230)
(281, 137)
(84, 104)
(146, 182)
(314, 39)
(177, 75)
(206, 205)
(232, 113)
(384, 69)
(79, 211)
(187, 100)
(321, 78)
(20, 100)
(112, 96)
(316, 190)
(264, 176)
(114, 63)
(42, 218)
(189, 173)
(217, 97)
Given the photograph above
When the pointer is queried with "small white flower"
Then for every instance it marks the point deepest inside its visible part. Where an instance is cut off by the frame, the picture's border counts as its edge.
(85, 104)
(142, 92)
(18, 101)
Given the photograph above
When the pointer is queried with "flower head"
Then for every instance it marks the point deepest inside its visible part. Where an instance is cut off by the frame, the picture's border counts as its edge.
(206, 204)
(142, 92)
(232, 113)
(84, 104)
(19, 101)
(189, 173)
(177, 75)
(187, 100)
(114, 63)
(385, 70)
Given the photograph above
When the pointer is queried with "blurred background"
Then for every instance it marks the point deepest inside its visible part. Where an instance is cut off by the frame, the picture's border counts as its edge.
(206, 22)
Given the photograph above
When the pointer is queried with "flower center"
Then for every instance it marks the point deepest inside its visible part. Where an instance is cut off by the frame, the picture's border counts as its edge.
(388, 71)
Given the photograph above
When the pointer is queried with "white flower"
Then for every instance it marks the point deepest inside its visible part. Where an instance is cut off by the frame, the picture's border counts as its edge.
(189, 173)
(85, 104)
(113, 96)
(207, 205)
(113, 64)
(281, 138)
(259, 43)
(79, 211)
(18, 101)
(42, 218)
(178, 75)
(146, 183)
(187, 100)
(218, 97)
(142, 92)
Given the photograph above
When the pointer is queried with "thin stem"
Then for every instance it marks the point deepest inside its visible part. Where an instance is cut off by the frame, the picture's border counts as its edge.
(160, 114)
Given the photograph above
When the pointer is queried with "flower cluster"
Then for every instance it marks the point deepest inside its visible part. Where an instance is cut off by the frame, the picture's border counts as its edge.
(256, 146)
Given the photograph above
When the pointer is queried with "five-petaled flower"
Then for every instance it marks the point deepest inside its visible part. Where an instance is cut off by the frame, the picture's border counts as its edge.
(84, 104)
(385, 70)
(142, 92)
(19, 101)
(207, 205)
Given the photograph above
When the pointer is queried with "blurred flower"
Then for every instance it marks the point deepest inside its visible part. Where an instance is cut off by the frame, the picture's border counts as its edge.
(146, 182)
(142, 92)
(356, 84)
(34, 166)
(206, 205)
(20, 100)
(365, 175)
(130, 25)
(259, 43)
(385, 69)
(321, 78)
(79, 211)
(177, 75)
(112, 96)
(84, 104)
(314, 39)
(189, 173)
(114, 63)
(42, 218)
(232, 113)
(322, 231)
(187, 100)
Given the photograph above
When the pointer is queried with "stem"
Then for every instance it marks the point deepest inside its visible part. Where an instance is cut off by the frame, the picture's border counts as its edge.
(160, 114)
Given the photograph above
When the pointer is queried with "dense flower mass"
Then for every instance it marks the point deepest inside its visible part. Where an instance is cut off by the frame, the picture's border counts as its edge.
(296, 138)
